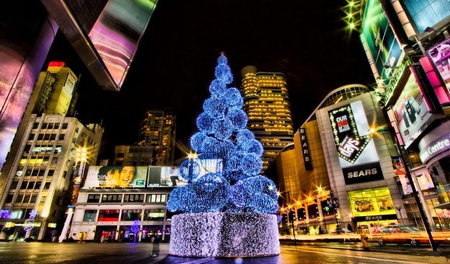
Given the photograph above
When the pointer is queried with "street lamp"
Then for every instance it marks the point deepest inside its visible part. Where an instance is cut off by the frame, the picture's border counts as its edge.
(399, 208)
(289, 213)
(404, 153)
(81, 158)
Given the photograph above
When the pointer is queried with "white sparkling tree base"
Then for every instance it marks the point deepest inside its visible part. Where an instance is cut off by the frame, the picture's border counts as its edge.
(224, 235)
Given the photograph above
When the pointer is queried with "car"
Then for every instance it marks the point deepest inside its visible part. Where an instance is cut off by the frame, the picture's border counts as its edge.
(341, 231)
(402, 234)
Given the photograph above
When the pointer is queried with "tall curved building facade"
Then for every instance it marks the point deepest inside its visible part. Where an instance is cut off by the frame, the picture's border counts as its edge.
(266, 102)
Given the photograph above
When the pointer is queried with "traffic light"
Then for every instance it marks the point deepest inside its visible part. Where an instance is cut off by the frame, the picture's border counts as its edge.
(301, 213)
(335, 202)
(326, 208)
(291, 216)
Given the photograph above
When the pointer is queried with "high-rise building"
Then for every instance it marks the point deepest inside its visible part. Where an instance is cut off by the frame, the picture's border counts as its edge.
(158, 129)
(267, 105)
(133, 156)
(38, 178)
(57, 90)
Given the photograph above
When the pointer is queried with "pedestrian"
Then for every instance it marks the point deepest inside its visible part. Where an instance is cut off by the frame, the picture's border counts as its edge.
(155, 249)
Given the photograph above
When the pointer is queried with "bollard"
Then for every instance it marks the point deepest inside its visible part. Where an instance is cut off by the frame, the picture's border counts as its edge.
(364, 242)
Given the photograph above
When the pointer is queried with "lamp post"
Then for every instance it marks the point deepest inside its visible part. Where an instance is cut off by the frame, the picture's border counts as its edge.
(289, 213)
(404, 153)
(79, 167)
(413, 182)
(399, 209)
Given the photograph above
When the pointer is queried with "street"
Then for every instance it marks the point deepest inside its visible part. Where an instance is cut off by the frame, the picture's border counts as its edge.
(334, 252)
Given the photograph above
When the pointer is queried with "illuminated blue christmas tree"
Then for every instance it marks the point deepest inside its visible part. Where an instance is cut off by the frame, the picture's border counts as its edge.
(227, 208)
(234, 185)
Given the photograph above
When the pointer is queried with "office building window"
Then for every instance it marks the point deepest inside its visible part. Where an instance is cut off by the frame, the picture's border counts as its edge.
(131, 214)
(154, 214)
(156, 198)
(89, 215)
(111, 198)
(133, 198)
(108, 215)
(93, 198)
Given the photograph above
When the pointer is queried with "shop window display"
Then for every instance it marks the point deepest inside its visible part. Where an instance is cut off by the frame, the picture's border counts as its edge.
(369, 202)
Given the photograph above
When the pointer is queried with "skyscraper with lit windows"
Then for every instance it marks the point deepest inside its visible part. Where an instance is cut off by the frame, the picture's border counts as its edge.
(44, 170)
(267, 105)
(158, 129)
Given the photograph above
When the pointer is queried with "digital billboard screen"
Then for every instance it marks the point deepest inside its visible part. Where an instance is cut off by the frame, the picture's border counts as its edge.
(170, 176)
(379, 39)
(426, 14)
(440, 55)
(411, 112)
(165, 176)
(116, 176)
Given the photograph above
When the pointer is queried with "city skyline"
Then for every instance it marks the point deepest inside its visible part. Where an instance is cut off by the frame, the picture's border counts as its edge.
(172, 67)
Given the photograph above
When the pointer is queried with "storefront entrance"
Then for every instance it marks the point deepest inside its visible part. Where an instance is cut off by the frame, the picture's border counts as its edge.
(105, 234)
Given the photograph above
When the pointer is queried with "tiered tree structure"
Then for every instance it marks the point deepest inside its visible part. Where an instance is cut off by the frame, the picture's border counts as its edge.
(229, 209)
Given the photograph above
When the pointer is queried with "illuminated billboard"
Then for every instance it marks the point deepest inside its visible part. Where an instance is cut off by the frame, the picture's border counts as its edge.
(108, 46)
(354, 145)
(165, 176)
(411, 112)
(379, 40)
(116, 177)
(170, 176)
(440, 55)
(426, 14)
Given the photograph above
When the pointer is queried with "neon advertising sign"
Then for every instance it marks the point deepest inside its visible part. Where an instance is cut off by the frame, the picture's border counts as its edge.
(349, 143)
(434, 148)
(354, 145)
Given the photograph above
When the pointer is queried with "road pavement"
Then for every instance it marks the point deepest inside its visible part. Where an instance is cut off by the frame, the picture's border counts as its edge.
(304, 253)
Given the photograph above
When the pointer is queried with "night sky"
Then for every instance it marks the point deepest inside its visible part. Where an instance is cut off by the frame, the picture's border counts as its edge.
(174, 65)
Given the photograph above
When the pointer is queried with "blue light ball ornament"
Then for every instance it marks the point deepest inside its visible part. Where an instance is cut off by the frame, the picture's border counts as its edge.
(238, 119)
(197, 141)
(261, 184)
(233, 163)
(238, 195)
(211, 192)
(223, 73)
(224, 129)
(180, 199)
(189, 169)
(262, 203)
(252, 146)
(227, 148)
(211, 147)
(214, 107)
(233, 98)
(251, 164)
(244, 136)
(222, 59)
(217, 88)
(206, 123)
